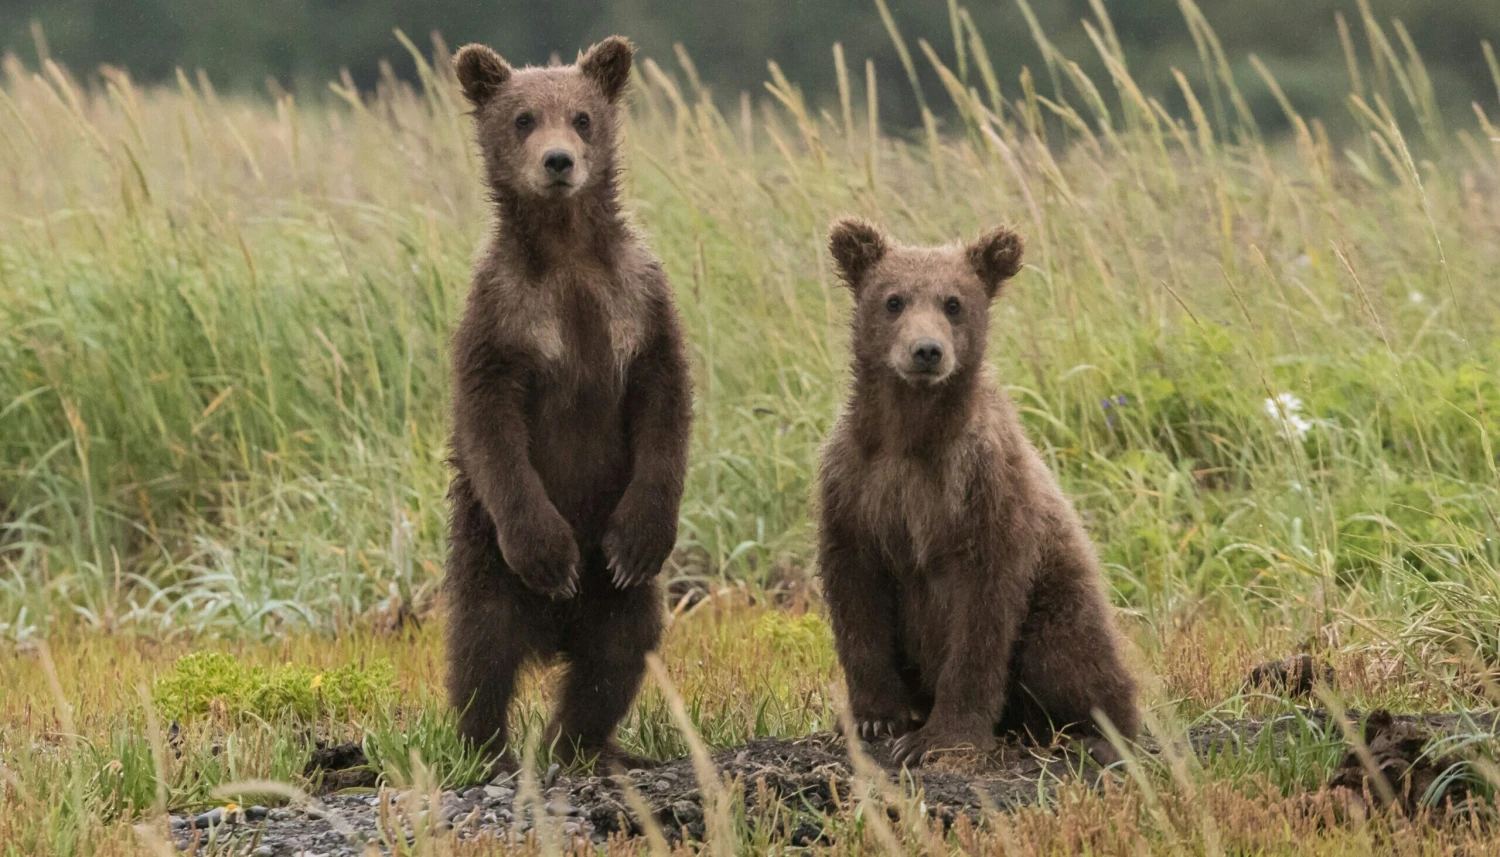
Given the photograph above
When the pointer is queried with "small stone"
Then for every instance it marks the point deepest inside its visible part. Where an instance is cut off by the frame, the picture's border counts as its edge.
(476, 793)
(279, 814)
(180, 822)
(661, 785)
(636, 773)
(499, 793)
(571, 828)
(685, 811)
(263, 851)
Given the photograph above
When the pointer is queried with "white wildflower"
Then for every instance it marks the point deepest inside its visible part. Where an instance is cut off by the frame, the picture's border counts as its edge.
(1286, 409)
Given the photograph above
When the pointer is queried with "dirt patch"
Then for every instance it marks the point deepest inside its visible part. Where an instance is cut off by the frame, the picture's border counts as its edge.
(809, 776)
(337, 767)
(1397, 765)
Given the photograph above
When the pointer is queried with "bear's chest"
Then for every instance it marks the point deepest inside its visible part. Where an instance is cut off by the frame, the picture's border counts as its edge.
(912, 507)
(585, 329)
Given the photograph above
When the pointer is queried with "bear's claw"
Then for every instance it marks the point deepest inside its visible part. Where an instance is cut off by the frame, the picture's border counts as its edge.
(911, 749)
(871, 730)
(633, 549)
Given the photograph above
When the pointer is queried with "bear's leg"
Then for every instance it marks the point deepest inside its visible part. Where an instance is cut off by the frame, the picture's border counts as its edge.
(864, 609)
(494, 625)
(968, 626)
(1067, 666)
(609, 635)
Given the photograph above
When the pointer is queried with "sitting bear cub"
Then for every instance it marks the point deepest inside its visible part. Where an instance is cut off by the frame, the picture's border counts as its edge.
(964, 594)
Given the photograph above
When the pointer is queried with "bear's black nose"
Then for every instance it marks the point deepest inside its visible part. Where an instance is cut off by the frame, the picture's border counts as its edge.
(557, 162)
(927, 354)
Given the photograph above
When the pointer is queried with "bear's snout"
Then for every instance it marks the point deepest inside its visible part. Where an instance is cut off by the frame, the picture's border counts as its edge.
(926, 355)
(923, 350)
(556, 167)
(558, 164)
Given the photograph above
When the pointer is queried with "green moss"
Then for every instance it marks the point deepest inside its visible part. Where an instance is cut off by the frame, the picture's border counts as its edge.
(215, 681)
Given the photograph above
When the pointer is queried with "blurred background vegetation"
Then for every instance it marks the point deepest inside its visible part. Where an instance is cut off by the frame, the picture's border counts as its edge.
(304, 43)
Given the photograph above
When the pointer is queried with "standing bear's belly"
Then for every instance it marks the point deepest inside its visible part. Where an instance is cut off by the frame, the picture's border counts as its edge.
(581, 451)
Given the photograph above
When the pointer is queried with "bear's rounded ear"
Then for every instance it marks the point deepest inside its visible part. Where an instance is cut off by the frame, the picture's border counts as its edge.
(995, 257)
(608, 64)
(481, 72)
(857, 245)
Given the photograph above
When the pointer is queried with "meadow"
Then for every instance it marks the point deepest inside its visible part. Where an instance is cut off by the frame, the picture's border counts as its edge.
(1267, 370)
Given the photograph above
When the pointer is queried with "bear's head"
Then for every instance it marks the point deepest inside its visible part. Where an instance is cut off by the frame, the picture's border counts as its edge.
(921, 313)
(547, 133)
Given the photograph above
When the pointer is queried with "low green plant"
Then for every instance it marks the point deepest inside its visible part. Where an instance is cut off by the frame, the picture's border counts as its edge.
(395, 742)
(204, 682)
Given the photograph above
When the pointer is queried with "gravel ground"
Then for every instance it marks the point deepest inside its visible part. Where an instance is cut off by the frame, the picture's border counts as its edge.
(806, 772)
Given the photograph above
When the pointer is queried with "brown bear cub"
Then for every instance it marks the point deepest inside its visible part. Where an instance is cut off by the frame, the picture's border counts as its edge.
(965, 596)
(571, 410)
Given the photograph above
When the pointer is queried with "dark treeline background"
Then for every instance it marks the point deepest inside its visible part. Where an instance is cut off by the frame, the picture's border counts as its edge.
(303, 43)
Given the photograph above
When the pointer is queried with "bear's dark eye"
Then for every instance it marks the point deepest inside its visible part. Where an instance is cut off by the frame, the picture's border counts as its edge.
(894, 303)
(525, 121)
(951, 306)
(581, 122)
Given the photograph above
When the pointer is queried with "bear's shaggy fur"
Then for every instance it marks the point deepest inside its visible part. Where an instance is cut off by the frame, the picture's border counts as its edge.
(571, 409)
(965, 595)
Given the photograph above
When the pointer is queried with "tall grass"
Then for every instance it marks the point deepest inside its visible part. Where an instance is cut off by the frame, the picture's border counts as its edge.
(1266, 369)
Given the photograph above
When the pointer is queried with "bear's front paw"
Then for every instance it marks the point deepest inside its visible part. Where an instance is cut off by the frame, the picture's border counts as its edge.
(546, 557)
(876, 728)
(637, 542)
(881, 710)
(912, 750)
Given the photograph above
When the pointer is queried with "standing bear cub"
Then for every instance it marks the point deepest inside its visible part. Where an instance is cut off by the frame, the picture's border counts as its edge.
(964, 594)
(571, 409)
